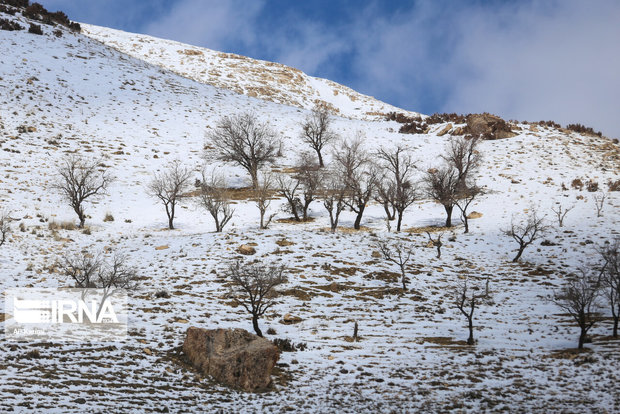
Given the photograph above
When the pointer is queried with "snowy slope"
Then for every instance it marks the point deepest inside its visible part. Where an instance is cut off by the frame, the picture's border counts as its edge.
(74, 94)
(266, 80)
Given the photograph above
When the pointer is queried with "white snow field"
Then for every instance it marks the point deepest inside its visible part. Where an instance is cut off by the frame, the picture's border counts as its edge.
(75, 94)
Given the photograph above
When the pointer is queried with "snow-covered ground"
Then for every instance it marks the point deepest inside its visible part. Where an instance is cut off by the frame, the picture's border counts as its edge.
(78, 95)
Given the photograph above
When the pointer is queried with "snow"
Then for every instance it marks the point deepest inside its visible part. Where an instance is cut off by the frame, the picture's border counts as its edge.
(138, 113)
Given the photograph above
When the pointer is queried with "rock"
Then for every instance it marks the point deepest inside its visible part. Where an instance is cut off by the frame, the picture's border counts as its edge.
(233, 357)
(445, 130)
(246, 249)
(488, 126)
(289, 319)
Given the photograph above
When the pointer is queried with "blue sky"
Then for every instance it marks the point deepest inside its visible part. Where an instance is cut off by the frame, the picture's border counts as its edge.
(525, 60)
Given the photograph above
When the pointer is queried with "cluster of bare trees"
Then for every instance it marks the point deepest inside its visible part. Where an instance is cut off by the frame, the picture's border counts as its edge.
(582, 294)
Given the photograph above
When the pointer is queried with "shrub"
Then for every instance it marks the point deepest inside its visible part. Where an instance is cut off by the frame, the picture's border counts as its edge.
(550, 124)
(65, 225)
(441, 118)
(7, 10)
(35, 11)
(614, 185)
(10, 25)
(162, 294)
(285, 345)
(581, 129)
(592, 186)
(577, 184)
(108, 217)
(17, 3)
(35, 29)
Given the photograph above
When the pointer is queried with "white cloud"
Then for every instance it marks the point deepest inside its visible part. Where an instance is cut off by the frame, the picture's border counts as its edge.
(215, 24)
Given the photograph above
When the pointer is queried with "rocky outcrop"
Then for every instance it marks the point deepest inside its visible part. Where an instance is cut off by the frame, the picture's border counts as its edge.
(233, 357)
(246, 249)
(488, 126)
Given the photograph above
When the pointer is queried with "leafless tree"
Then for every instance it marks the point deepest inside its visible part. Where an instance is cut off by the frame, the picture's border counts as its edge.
(462, 154)
(243, 140)
(5, 227)
(79, 180)
(453, 183)
(526, 232)
(169, 186)
(397, 189)
(310, 177)
(289, 188)
(83, 268)
(466, 299)
(610, 271)
(254, 287)
(467, 193)
(561, 212)
(316, 130)
(442, 185)
(262, 197)
(599, 202)
(436, 243)
(334, 194)
(215, 199)
(91, 271)
(579, 298)
(398, 254)
(359, 174)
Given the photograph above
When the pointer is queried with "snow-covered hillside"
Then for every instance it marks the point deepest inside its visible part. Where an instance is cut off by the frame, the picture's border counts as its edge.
(72, 94)
(265, 80)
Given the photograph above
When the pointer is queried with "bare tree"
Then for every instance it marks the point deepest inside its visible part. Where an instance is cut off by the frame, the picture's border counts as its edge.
(599, 202)
(466, 299)
(436, 243)
(610, 272)
(462, 154)
(359, 174)
(289, 188)
(397, 188)
(169, 187)
(442, 185)
(5, 227)
(254, 287)
(561, 212)
(80, 180)
(302, 188)
(465, 196)
(91, 271)
(262, 197)
(398, 254)
(310, 177)
(215, 199)
(334, 194)
(453, 184)
(243, 140)
(579, 298)
(525, 233)
(316, 130)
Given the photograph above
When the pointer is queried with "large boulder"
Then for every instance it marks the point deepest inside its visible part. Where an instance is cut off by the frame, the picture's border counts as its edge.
(488, 126)
(234, 357)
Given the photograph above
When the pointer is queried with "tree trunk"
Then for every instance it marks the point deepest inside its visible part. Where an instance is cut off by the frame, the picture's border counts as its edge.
(448, 215)
(615, 331)
(255, 325)
(358, 219)
(519, 253)
(400, 220)
(81, 216)
(470, 340)
(582, 338)
(318, 152)
(402, 271)
(254, 176)
(466, 223)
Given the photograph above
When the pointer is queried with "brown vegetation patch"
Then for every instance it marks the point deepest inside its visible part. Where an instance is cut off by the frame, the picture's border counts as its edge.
(442, 340)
